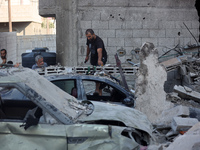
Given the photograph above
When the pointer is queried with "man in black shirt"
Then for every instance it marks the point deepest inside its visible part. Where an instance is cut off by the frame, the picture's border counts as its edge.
(95, 46)
(98, 57)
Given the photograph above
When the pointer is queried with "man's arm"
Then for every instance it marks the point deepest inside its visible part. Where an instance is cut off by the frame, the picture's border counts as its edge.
(99, 51)
(87, 54)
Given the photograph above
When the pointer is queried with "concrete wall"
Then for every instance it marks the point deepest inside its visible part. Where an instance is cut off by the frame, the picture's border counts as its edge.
(128, 24)
(121, 24)
(30, 42)
(21, 11)
(8, 41)
(16, 45)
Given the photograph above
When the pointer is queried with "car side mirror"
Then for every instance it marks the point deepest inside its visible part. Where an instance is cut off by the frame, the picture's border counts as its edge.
(129, 101)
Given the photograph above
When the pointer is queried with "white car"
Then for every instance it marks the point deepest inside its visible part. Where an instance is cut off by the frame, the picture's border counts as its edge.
(54, 120)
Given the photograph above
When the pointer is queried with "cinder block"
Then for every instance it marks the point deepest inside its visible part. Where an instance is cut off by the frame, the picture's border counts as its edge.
(111, 51)
(133, 24)
(86, 24)
(186, 33)
(100, 24)
(140, 33)
(166, 41)
(116, 24)
(123, 33)
(183, 124)
(195, 24)
(107, 33)
(89, 14)
(167, 24)
(151, 40)
(136, 14)
(105, 40)
(157, 33)
(116, 42)
(150, 24)
(173, 33)
(133, 42)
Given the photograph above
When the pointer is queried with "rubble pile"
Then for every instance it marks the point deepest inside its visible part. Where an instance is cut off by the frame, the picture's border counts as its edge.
(169, 94)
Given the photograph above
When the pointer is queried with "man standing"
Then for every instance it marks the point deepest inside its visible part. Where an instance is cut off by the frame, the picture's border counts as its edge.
(98, 56)
(95, 46)
(3, 56)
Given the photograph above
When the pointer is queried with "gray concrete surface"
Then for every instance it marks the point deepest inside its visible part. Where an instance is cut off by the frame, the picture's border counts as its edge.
(8, 41)
(183, 124)
(121, 24)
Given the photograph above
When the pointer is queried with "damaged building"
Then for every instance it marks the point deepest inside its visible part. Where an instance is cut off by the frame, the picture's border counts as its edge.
(159, 39)
(168, 93)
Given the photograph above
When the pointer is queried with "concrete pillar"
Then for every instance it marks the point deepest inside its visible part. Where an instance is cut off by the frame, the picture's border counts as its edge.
(66, 31)
(67, 39)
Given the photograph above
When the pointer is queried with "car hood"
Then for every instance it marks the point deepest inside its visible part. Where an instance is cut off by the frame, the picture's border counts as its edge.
(129, 116)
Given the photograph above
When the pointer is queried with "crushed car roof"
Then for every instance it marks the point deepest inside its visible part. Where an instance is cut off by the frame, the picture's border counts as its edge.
(43, 87)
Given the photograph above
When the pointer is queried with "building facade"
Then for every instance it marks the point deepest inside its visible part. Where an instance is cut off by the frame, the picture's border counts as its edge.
(123, 25)
(25, 18)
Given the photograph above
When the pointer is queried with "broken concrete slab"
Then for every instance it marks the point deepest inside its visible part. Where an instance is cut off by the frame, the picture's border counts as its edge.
(169, 114)
(187, 93)
(189, 141)
(183, 124)
(173, 62)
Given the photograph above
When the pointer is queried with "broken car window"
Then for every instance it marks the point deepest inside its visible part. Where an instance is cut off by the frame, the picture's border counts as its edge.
(109, 93)
(66, 85)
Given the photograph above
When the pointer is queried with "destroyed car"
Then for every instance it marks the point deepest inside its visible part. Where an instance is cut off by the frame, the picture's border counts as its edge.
(52, 119)
(83, 88)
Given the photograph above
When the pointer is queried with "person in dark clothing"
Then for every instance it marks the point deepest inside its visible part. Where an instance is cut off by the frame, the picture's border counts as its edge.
(95, 46)
(97, 52)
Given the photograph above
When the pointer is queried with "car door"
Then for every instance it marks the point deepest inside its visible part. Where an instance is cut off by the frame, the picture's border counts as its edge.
(39, 137)
(13, 135)
(110, 93)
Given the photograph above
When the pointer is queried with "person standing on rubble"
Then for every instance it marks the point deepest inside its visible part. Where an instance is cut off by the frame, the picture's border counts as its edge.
(95, 46)
(98, 57)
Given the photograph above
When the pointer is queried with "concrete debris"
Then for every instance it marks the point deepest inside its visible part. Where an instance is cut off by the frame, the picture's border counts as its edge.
(168, 115)
(188, 141)
(187, 93)
(173, 63)
(168, 93)
(183, 124)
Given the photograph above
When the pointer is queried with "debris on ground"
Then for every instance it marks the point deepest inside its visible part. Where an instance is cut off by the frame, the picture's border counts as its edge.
(168, 92)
